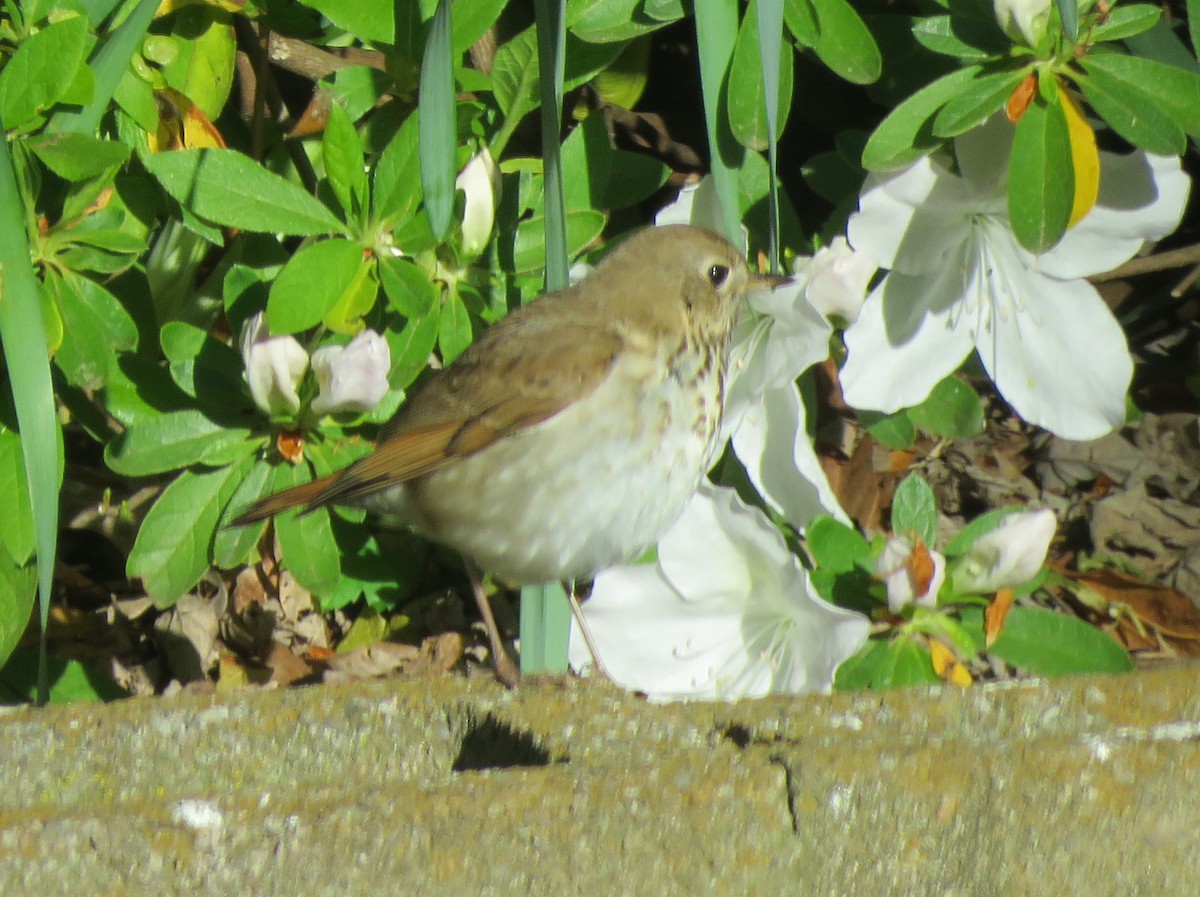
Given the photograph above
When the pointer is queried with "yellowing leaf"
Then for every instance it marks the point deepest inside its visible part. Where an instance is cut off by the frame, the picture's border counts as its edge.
(947, 665)
(1085, 159)
(181, 125)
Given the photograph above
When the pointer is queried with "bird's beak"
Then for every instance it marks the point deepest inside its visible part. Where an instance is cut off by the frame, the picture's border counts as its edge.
(758, 282)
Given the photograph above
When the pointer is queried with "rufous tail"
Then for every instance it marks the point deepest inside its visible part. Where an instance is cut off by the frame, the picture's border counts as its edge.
(307, 494)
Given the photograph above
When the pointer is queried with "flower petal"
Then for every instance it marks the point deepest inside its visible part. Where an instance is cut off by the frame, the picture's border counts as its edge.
(1059, 357)
(905, 340)
(1008, 556)
(773, 445)
(1142, 197)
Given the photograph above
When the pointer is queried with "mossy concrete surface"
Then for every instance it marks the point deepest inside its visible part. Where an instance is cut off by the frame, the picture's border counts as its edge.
(1079, 786)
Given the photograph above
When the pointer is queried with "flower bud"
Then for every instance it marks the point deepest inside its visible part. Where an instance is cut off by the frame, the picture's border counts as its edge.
(480, 181)
(1023, 19)
(274, 366)
(352, 377)
(911, 576)
(1010, 555)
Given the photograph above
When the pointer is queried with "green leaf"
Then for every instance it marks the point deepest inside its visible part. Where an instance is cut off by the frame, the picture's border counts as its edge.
(16, 523)
(18, 586)
(397, 177)
(1041, 176)
(231, 189)
(42, 70)
(835, 546)
(204, 367)
(529, 245)
(69, 681)
(1131, 113)
(907, 133)
(953, 410)
(306, 541)
(1169, 89)
(454, 328)
(472, 19)
(311, 283)
(77, 157)
(1127, 20)
(411, 348)
(895, 431)
(747, 92)
(438, 128)
(96, 328)
(233, 546)
(914, 510)
(969, 37)
(844, 43)
(981, 99)
(887, 664)
(801, 20)
(344, 164)
(173, 548)
(1046, 643)
(169, 441)
(202, 69)
(371, 20)
(407, 287)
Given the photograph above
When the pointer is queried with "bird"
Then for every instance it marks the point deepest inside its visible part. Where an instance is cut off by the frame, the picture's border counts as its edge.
(573, 432)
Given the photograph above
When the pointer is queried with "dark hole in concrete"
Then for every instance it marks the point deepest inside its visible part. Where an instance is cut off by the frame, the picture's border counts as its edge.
(738, 734)
(493, 744)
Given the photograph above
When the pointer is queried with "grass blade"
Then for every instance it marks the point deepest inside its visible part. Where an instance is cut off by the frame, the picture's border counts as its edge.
(437, 131)
(24, 340)
(770, 41)
(716, 33)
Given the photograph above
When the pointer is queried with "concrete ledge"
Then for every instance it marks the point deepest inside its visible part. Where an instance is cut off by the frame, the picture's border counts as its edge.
(1079, 786)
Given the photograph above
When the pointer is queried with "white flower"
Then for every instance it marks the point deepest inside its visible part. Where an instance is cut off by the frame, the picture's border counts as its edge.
(909, 578)
(1008, 556)
(1025, 19)
(480, 181)
(837, 279)
(764, 411)
(725, 613)
(352, 377)
(274, 366)
(960, 281)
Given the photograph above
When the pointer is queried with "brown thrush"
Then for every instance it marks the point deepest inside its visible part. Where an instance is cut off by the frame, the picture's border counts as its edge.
(573, 432)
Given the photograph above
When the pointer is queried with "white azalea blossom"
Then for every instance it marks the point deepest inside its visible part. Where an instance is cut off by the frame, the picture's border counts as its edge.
(726, 612)
(895, 567)
(480, 182)
(274, 366)
(1023, 19)
(352, 377)
(838, 277)
(960, 281)
(1008, 556)
(777, 340)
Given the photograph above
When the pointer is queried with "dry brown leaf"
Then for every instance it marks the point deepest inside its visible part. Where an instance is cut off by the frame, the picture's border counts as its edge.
(995, 614)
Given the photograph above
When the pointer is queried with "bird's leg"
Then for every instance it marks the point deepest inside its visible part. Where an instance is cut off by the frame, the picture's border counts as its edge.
(577, 612)
(506, 670)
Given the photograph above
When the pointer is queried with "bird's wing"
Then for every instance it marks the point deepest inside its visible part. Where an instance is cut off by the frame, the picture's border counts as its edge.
(522, 371)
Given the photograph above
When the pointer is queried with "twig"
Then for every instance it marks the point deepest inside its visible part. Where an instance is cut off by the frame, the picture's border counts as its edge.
(1183, 257)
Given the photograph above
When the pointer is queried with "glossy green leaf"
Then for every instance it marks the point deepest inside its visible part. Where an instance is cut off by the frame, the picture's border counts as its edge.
(306, 541)
(96, 328)
(1041, 177)
(169, 441)
(914, 510)
(397, 177)
(41, 71)
(173, 547)
(978, 101)
(202, 69)
(747, 87)
(372, 20)
(18, 586)
(1126, 20)
(344, 165)
(972, 38)
(77, 157)
(311, 283)
(1047, 643)
(887, 664)
(16, 523)
(894, 431)
(844, 43)
(407, 287)
(529, 245)
(606, 21)
(835, 546)
(69, 681)
(907, 133)
(953, 410)
(454, 327)
(229, 188)
(1131, 113)
(233, 546)
(1173, 90)
(411, 348)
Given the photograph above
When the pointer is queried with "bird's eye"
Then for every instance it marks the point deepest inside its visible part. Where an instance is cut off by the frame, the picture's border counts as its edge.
(717, 275)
